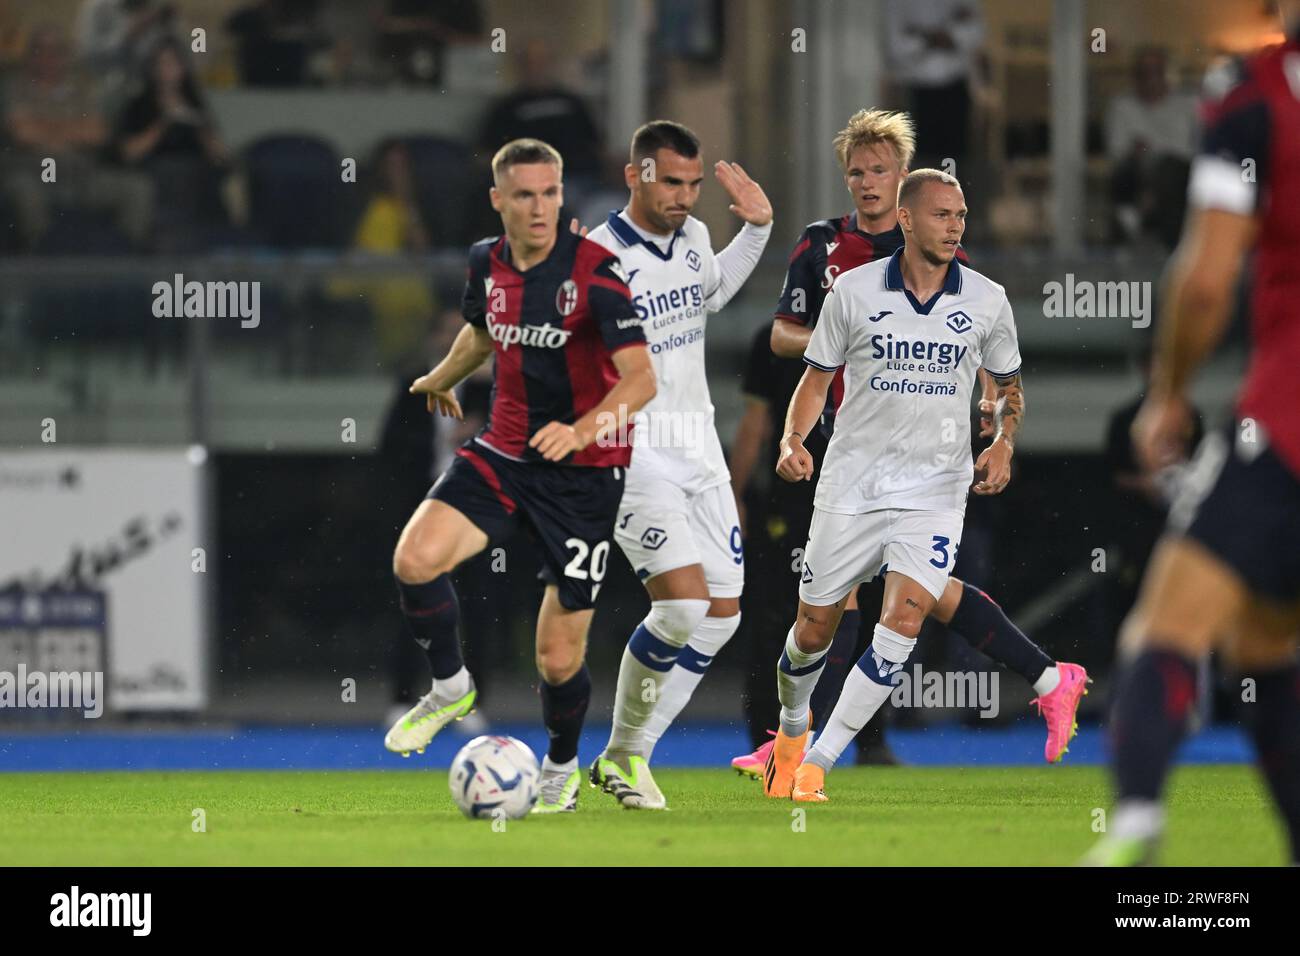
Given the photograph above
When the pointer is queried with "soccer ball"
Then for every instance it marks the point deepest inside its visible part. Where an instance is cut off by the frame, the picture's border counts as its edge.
(495, 776)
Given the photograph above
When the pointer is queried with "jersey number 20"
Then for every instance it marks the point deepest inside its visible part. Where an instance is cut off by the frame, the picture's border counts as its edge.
(595, 571)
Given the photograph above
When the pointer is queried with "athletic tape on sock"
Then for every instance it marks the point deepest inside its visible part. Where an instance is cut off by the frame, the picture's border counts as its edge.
(674, 621)
(886, 656)
(796, 662)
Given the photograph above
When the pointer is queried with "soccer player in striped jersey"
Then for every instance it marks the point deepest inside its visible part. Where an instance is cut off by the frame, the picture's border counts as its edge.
(678, 524)
(874, 150)
(555, 311)
(1226, 574)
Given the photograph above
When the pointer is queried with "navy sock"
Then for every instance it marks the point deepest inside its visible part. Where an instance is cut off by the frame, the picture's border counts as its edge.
(563, 708)
(980, 622)
(1148, 721)
(432, 612)
(843, 651)
(1274, 722)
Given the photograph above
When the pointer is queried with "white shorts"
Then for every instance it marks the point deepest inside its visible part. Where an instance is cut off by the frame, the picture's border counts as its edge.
(660, 528)
(845, 550)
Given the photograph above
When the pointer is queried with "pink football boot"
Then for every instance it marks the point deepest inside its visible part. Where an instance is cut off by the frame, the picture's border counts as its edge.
(1058, 709)
(752, 764)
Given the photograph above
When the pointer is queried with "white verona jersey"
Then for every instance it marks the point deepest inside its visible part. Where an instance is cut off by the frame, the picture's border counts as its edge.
(675, 281)
(902, 434)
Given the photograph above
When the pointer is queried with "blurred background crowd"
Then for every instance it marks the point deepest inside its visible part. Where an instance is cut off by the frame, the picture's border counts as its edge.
(182, 144)
(336, 152)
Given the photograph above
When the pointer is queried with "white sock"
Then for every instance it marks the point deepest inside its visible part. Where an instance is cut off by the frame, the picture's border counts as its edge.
(1143, 819)
(566, 768)
(862, 695)
(1047, 681)
(634, 700)
(709, 638)
(453, 687)
(648, 658)
(674, 695)
(796, 676)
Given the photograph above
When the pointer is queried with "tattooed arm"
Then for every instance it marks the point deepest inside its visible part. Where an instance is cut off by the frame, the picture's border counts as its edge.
(1008, 416)
(988, 401)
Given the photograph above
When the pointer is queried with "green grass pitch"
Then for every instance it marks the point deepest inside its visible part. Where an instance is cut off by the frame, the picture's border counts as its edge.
(1219, 815)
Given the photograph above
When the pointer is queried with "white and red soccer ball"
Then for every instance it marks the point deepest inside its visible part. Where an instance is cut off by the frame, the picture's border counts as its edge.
(495, 777)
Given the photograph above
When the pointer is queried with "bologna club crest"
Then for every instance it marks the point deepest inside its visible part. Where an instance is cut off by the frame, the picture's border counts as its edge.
(566, 297)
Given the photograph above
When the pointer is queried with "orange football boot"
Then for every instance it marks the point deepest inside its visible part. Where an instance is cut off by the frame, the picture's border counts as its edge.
(809, 784)
(782, 761)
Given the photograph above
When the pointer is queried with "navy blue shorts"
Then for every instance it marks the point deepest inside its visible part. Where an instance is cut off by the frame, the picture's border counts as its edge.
(1243, 504)
(570, 509)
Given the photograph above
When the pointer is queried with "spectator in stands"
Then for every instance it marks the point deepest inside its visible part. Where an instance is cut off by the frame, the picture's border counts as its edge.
(167, 131)
(1150, 140)
(934, 48)
(352, 30)
(13, 38)
(169, 116)
(113, 40)
(391, 221)
(275, 39)
(414, 34)
(402, 304)
(52, 114)
(543, 109)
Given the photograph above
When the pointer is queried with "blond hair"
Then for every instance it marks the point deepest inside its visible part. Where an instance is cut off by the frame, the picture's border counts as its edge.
(869, 127)
(523, 152)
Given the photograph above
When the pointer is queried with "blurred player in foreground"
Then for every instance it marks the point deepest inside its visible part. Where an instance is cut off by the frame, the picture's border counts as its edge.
(556, 311)
(678, 523)
(1226, 574)
(874, 151)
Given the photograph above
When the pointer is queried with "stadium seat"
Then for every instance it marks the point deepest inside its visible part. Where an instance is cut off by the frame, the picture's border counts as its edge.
(294, 192)
(78, 232)
(445, 174)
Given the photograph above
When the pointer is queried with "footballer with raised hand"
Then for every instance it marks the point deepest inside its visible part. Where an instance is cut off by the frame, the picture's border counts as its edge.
(1226, 574)
(555, 311)
(875, 150)
(910, 332)
(678, 524)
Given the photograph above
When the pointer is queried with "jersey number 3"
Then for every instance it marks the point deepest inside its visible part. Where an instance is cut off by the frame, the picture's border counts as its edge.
(941, 546)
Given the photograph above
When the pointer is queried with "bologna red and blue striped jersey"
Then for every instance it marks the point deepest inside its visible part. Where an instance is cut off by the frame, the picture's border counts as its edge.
(1249, 164)
(554, 331)
(827, 249)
